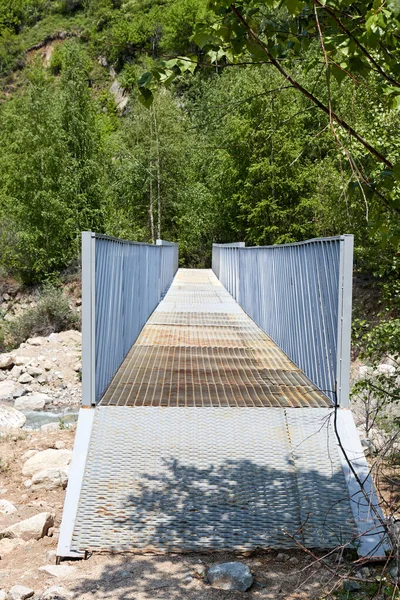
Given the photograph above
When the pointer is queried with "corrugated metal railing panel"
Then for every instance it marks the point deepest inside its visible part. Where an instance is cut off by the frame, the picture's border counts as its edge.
(299, 295)
(169, 264)
(127, 281)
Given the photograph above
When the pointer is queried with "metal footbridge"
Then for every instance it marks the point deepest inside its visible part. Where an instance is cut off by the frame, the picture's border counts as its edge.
(215, 408)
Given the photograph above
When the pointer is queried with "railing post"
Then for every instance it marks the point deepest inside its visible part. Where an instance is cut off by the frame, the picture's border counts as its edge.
(88, 318)
(160, 243)
(344, 321)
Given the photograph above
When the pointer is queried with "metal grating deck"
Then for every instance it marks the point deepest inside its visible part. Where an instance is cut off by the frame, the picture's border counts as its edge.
(173, 479)
(209, 438)
(199, 348)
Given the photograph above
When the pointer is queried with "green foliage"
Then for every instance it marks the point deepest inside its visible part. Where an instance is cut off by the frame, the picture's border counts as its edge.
(51, 170)
(51, 314)
(236, 153)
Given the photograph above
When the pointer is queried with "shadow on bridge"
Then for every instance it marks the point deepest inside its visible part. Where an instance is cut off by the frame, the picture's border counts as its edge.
(195, 510)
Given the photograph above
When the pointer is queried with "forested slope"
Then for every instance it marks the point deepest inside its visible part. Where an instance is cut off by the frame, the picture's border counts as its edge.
(222, 154)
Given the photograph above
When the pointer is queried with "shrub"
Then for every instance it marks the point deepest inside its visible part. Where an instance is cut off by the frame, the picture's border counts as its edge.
(51, 314)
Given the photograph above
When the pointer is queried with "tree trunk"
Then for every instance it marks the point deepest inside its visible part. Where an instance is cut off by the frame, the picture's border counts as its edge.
(158, 174)
(151, 200)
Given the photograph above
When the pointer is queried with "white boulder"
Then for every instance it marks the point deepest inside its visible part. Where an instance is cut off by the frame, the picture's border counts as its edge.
(34, 528)
(6, 361)
(386, 369)
(56, 592)
(7, 389)
(25, 378)
(32, 402)
(36, 341)
(51, 479)
(47, 459)
(6, 507)
(10, 418)
(20, 592)
(16, 372)
(20, 360)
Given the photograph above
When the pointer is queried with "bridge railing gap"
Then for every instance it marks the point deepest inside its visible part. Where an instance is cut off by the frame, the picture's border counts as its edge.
(122, 284)
(300, 294)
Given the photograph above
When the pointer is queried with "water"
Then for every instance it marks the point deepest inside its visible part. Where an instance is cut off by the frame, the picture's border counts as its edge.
(36, 418)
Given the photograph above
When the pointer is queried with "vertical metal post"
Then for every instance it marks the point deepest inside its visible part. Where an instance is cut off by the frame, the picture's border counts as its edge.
(344, 320)
(88, 318)
(160, 243)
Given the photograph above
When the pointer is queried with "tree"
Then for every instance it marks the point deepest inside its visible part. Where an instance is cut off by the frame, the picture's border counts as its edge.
(51, 170)
(358, 40)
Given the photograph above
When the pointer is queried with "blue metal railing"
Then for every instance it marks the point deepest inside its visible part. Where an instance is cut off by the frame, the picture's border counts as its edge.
(300, 295)
(122, 284)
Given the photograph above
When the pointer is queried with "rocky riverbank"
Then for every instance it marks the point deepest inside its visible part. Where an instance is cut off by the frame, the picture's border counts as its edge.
(43, 374)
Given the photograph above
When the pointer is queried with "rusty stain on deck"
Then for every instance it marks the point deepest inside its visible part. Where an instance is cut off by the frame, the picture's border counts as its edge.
(200, 349)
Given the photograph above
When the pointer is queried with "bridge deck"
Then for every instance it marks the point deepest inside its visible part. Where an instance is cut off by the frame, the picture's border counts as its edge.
(199, 348)
(208, 438)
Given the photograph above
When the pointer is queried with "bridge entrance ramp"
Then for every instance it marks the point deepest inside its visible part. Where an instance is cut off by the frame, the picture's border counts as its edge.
(210, 438)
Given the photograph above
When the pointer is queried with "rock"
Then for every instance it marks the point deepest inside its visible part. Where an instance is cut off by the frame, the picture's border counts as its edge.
(59, 445)
(42, 379)
(293, 560)
(56, 593)
(386, 369)
(3, 595)
(78, 367)
(36, 341)
(20, 592)
(283, 557)
(34, 371)
(61, 571)
(7, 389)
(47, 459)
(51, 555)
(50, 427)
(25, 378)
(7, 508)
(29, 454)
(6, 361)
(16, 372)
(11, 418)
(230, 576)
(364, 371)
(33, 528)
(21, 360)
(351, 586)
(200, 571)
(33, 402)
(9, 545)
(20, 391)
(52, 337)
(119, 95)
(28, 483)
(50, 479)
(44, 397)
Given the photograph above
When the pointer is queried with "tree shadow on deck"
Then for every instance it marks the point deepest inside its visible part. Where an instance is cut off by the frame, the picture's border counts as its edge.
(238, 506)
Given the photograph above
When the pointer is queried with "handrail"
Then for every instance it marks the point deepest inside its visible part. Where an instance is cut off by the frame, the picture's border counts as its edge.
(300, 295)
(122, 283)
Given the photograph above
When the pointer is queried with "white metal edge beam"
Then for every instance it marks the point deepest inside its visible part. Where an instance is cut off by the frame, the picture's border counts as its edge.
(365, 505)
(76, 472)
(344, 320)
